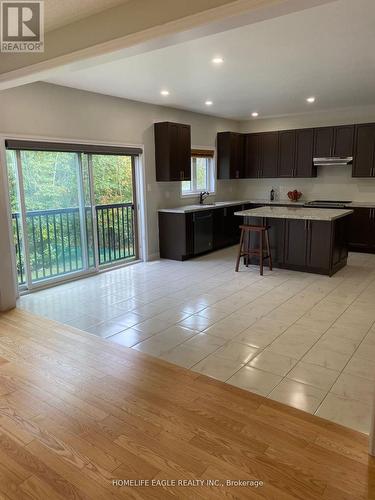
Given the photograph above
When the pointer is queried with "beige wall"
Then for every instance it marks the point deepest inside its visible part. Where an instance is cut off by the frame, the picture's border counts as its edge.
(52, 111)
(332, 182)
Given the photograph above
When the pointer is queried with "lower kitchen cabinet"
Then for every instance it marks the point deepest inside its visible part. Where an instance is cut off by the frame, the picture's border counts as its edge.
(183, 236)
(302, 245)
(315, 246)
(305, 245)
(361, 230)
(295, 240)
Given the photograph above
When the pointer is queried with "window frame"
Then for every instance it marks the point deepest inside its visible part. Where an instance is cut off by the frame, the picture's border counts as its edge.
(209, 155)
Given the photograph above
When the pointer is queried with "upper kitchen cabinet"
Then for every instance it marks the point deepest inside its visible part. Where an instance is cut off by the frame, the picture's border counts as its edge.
(261, 154)
(304, 166)
(323, 142)
(343, 140)
(334, 141)
(230, 155)
(364, 158)
(269, 144)
(252, 155)
(287, 153)
(172, 151)
(296, 153)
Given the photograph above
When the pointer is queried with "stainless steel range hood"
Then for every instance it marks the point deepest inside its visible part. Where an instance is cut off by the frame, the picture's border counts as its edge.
(333, 161)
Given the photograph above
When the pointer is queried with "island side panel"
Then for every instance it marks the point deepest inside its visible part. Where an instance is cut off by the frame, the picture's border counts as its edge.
(311, 246)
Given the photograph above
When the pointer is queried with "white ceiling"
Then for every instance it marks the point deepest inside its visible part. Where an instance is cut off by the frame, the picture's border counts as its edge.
(61, 12)
(269, 67)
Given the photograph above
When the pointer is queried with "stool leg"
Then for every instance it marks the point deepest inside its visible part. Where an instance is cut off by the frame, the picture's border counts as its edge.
(239, 251)
(248, 249)
(261, 254)
(268, 250)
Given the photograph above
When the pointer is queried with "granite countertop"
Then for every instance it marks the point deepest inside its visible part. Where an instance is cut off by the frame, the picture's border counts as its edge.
(220, 204)
(322, 214)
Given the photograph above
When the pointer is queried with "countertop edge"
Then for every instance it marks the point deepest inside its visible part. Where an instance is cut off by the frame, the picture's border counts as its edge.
(321, 214)
(189, 209)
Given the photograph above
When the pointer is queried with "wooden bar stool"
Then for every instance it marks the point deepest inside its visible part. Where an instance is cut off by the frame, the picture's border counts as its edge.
(247, 252)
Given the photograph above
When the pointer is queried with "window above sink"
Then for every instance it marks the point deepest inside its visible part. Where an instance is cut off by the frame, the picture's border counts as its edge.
(202, 174)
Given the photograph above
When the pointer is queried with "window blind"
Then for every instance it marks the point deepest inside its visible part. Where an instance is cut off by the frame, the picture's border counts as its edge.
(71, 148)
(202, 153)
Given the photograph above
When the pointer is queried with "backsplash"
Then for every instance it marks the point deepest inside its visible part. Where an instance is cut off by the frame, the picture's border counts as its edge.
(331, 183)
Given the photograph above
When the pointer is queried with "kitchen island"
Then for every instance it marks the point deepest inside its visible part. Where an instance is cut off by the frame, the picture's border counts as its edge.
(302, 239)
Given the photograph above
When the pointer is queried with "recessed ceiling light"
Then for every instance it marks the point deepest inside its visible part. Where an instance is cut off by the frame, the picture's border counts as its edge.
(208, 103)
(217, 60)
(164, 92)
(255, 114)
(310, 99)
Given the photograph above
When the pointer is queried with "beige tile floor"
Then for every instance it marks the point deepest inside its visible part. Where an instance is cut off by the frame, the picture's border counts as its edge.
(302, 339)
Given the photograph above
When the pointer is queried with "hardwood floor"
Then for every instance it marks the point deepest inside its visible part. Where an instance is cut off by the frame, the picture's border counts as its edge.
(77, 412)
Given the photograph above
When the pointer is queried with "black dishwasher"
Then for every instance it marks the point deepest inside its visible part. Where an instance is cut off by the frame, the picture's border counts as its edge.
(203, 231)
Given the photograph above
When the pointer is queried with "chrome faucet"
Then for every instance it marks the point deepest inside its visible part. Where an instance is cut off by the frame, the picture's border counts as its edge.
(202, 196)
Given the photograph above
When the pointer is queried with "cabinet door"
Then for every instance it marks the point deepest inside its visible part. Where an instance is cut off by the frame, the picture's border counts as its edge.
(219, 239)
(323, 146)
(172, 151)
(344, 141)
(276, 237)
(318, 247)
(361, 230)
(232, 224)
(175, 167)
(295, 242)
(184, 151)
(304, 166)
(364, 158)
(237, 163)
(252, 155)
(230, 155)
(287, 150)
(269, 154)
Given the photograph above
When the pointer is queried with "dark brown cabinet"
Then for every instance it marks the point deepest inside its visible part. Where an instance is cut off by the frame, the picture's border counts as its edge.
(296, 153)
(172, 151)
(304, 166)
(290, 153)
(183, 236)
(334, 141)
(230, 155)
(261, 153)
(295, 243)
(287, 153)
(318, 252)
(269, 142)
(361, 230)
(364, 158)
(176, 236)
(323, 146)
(315, 246)
(305, 245)
(252, 155)
(344, 141)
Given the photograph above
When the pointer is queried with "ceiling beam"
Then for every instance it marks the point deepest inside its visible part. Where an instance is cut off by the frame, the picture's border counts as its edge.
(135, 27)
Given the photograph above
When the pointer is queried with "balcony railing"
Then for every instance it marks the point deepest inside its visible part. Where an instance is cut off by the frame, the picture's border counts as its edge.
(55, 239)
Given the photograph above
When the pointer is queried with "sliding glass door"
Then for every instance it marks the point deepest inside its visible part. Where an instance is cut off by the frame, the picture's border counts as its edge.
(114, 195)
(72, 212)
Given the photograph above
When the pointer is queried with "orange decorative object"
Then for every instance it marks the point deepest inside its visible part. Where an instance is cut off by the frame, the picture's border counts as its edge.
(294, 195)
